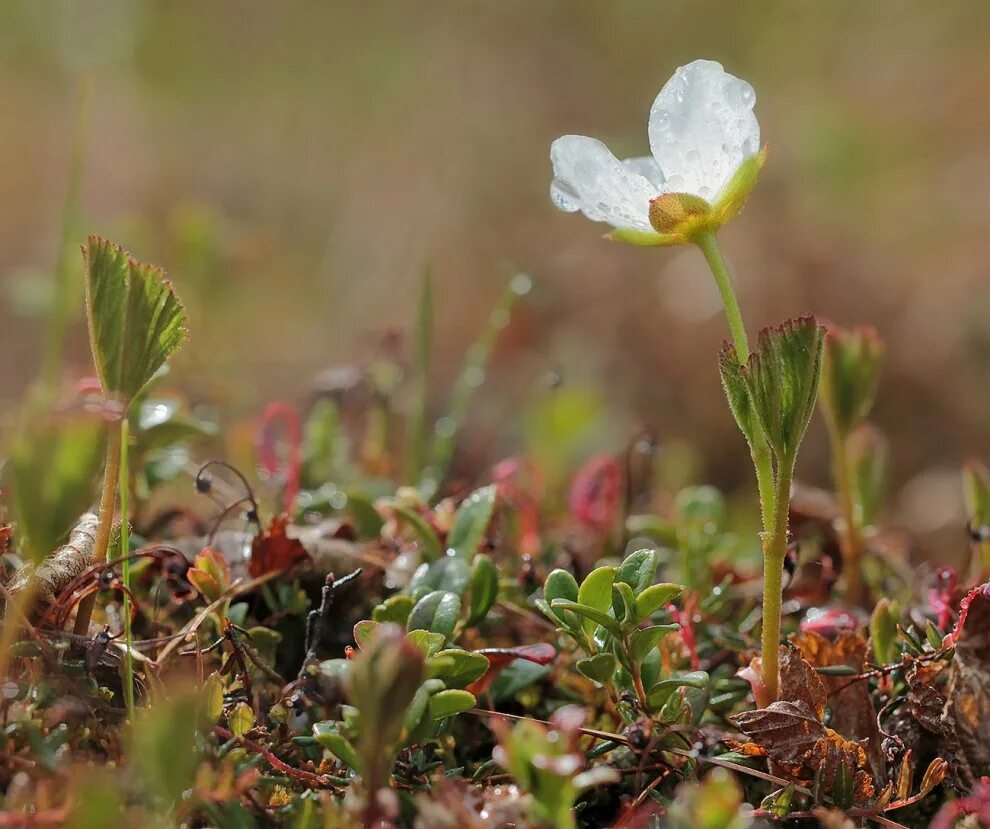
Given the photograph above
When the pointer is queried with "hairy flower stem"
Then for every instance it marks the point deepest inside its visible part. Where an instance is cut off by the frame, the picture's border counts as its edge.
(760, 450)
(774, 551)
(108, 504)
(851, 538)
(774, 493)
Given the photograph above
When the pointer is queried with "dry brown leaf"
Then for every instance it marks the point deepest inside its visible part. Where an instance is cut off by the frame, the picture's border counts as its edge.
(853, 714)
(800, 682)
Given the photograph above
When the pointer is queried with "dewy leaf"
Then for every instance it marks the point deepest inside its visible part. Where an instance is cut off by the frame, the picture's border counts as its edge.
(782, 377)
(136, 322)
(436, 612)
(471, 521)
(638, 570)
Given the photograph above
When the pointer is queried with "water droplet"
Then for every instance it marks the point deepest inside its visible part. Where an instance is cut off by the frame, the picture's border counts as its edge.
(661, 120)
(739, 95)
(705, 191)
(692, 156)
(522, 284)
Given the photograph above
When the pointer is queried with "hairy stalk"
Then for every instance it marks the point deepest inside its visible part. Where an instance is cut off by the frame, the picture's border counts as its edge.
(760, 451)
(125, 570)
(774, 551)
(108, 503)
(851, 539)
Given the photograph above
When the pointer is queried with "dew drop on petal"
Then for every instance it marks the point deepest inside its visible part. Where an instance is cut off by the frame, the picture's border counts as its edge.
(662, 120)
(564, 196)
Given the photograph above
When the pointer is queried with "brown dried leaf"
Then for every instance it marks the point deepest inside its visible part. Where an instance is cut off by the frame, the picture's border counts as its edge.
(853, 715)
(967, 707)
(788, 731)
(799, 682)
(833, 751)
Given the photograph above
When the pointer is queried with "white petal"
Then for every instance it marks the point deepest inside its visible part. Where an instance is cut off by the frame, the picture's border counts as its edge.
(646, 166)
(587, 177)
(702, 127)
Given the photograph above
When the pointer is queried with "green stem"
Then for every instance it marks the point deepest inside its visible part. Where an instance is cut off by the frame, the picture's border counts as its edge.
(108, 503)
(760, 450)
(125, 571)
(852, 541)
(774, 551)
(709, 247)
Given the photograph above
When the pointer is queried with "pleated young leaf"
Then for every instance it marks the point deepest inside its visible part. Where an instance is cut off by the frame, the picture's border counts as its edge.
(736, 392)
(782, 378)
(136, 321)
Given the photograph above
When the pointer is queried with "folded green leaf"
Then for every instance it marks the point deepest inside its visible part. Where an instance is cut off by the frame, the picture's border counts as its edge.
(638, 570)
(645, 640)
(483, 588)
(736, 392)
(851, 365)
(436, 612)
(595, 592)
(656, 596)
(600, 668)
(328, 734)
(782, 377)
(135, 320)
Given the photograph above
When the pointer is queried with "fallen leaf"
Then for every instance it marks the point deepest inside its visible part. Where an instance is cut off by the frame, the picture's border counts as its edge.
(788, 731)
(800, 682)
(272, 550)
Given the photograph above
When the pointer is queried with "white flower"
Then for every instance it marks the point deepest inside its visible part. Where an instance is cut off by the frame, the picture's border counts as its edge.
(705, 142)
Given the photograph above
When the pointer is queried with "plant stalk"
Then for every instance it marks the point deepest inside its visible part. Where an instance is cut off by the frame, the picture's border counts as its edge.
(774, 551)
(108, 505)
(851, 538)
(125, 570)
(760, 451)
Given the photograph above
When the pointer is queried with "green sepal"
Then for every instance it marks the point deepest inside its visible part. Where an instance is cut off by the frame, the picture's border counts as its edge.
(734, 195)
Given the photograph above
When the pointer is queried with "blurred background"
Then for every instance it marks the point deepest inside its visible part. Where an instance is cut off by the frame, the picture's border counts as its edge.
(297, 167)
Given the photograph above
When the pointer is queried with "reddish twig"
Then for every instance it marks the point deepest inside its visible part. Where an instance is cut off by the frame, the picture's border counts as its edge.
(303, 776)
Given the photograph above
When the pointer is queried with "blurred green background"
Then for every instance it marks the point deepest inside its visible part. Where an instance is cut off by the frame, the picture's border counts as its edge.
(296, 166)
